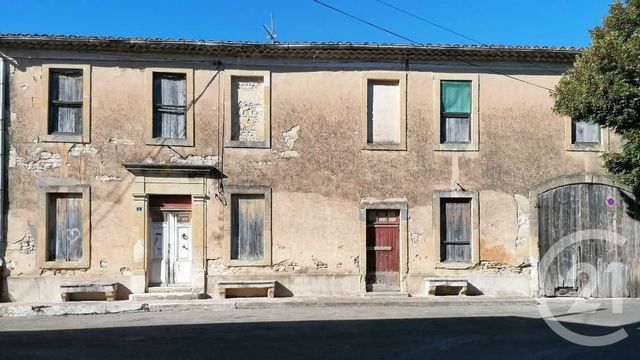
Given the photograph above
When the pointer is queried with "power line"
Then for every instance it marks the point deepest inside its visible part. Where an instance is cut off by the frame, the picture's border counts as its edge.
(431, 22)
(419, 44)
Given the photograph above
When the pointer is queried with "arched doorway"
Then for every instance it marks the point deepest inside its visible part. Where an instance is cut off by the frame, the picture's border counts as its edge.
(587, 227)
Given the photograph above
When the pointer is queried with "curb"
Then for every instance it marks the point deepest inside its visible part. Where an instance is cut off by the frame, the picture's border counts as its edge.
(126, 307)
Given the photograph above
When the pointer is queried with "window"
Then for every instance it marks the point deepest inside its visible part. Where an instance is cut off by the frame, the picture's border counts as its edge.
(65, 102)
(582, 135)
(169, 111)
(169, 106)
(65, 224)
(383, 121)
(455, 230)
(64, 227)
(456, 225)
(455, 117)
(248, 226)
(248, 114)
(66, 94)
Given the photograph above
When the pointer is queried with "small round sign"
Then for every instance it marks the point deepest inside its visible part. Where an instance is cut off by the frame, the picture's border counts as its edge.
(611, 201)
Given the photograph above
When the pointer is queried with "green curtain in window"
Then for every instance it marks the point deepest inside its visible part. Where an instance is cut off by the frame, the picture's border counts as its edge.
(455, 96)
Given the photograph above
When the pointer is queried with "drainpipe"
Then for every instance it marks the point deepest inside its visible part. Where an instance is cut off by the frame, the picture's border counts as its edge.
(3, 240)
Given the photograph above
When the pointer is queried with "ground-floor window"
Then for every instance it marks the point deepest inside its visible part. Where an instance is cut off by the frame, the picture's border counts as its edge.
(248, 225)
(64, 225)
(455, 230)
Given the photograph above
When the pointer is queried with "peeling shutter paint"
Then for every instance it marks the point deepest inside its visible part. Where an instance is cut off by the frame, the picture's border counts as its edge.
(64, 227)
(247, 227)
(65, 108)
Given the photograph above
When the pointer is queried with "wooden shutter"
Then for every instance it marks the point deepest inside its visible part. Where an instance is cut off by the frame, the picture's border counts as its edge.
(65, 108)
(585, 132)
(455, 228)
(170, 104)
(247, 227)
(64, 227)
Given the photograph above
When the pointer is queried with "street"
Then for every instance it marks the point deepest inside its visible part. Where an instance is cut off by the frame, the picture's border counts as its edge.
(379, 332)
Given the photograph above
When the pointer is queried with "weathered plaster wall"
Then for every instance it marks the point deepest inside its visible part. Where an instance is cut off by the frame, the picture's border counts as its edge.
(316, 168)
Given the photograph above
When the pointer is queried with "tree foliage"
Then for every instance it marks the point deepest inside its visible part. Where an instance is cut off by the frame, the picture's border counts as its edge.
(603, 86)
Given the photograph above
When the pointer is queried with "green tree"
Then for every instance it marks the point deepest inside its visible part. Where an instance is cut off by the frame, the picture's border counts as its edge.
(603, 86)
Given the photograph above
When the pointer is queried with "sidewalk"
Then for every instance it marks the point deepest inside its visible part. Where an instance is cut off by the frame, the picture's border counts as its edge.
(125, 306)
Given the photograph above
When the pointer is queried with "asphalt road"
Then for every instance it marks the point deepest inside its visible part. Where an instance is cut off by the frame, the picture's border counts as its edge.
(390, 332)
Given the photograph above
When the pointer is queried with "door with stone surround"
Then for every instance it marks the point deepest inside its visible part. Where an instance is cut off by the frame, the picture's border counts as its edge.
(383, 256)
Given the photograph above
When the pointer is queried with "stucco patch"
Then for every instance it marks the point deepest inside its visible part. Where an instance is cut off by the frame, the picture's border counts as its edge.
(210, 160)
(119, 141)
(83, 149)
(37, 160)
(291, 136)
(107, 178)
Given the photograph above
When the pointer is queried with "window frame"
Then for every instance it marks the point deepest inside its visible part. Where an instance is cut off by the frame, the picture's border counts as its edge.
(602, 146)
(474, 136)
(44, 192)
(383, 76)
(189, 112)
(85, 135)
(438, 197)
(229, 75)
(231, 190)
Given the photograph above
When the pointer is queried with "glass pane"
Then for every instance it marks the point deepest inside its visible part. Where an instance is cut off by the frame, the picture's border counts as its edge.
(455, 96)
(169, 125)
(456, 130)
(66, 86)
(170, 89)
(586, 132)
(66, 119)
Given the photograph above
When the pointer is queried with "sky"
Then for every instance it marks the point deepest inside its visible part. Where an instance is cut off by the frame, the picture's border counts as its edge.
(505, 22)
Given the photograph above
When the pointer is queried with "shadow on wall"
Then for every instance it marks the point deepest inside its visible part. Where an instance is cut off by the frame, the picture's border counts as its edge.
(495, 337)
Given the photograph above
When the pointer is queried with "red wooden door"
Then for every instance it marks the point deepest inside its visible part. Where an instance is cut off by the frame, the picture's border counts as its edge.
(383, 257)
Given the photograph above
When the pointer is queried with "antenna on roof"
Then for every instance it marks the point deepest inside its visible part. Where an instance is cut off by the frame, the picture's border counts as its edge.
(271, 31)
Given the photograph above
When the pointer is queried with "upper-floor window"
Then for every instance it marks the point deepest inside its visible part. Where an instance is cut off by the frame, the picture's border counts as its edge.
(65, 101)
(169, 106)
(455, 116)
(247, 108)
(383, 115)
(456, 112)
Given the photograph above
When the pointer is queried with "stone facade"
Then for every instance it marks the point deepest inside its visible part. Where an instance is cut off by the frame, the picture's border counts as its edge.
(320, 175)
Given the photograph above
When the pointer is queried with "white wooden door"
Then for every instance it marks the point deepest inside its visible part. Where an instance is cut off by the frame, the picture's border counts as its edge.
(171, 248)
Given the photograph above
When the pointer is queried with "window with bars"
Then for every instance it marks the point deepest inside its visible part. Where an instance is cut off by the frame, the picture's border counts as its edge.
(455, 111)
(585, 132)
(455, 230)
(65, 102)
(64, 227)
(169, 106)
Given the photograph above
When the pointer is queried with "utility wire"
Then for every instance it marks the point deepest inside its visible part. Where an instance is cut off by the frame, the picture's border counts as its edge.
(430, 22)
(419, 44)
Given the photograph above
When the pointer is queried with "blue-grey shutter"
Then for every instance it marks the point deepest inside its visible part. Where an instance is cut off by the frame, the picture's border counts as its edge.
(455, 230)
(247, 223)
(64, 227)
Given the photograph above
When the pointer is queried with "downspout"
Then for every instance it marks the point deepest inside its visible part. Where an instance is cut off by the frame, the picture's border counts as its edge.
(3, 175)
